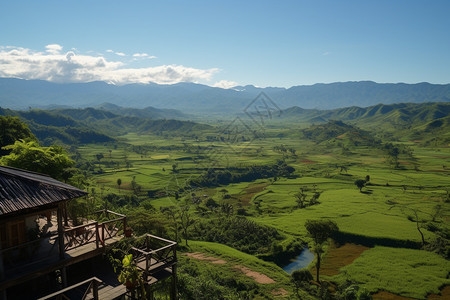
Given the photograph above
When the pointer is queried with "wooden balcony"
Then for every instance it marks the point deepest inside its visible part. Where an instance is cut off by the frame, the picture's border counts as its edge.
(92, 288)
(156, 257)
(57, 249)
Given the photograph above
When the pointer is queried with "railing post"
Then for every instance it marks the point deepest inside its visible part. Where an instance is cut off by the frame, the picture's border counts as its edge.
(59, 217)
(95, 289)
(147, 246)
(103, 234)
(97, 235)
(147, 261)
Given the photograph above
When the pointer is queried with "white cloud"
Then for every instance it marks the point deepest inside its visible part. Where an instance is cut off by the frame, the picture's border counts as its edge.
(140, 55)
(225, 84)
(109, 51)
(120, 53)
(53, 48)
(53, 65)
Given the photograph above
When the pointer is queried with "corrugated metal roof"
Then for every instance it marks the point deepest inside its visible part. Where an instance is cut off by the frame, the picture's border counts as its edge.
(21, 190)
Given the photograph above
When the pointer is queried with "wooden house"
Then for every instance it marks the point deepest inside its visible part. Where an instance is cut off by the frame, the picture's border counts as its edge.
(38, 237)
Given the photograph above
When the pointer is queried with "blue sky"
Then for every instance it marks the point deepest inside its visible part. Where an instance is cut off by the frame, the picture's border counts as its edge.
(264, 43)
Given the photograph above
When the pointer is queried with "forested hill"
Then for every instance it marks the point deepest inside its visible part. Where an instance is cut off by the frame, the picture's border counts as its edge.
(191, 97)
(89, 125)
(415, 120)
(402, 114)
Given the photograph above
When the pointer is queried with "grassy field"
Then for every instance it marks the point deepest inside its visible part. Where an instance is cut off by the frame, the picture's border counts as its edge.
(384, 210)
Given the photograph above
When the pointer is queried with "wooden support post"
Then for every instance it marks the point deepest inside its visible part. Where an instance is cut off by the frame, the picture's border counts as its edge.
(173, 290)
(2, 268)
(59, 216)
(97, 237)
(64, 277)
(4, 295)
(103, 234)
(95, 289)
(66, 218)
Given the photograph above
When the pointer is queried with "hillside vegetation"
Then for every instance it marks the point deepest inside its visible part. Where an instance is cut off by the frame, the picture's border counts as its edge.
(237, 202)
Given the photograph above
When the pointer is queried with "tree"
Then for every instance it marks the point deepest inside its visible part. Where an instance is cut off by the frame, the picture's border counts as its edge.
(28, 155)
(173, 214)
(360, 183)
(320, 231)
(12, 130)
(186, 221)
(301, 278)
(119, 182)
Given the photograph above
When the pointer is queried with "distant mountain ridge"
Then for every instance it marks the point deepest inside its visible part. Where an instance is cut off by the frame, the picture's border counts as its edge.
(192, 98)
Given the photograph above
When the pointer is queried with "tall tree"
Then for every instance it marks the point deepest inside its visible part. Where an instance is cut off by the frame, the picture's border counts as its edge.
(119, 182)
(320, 231)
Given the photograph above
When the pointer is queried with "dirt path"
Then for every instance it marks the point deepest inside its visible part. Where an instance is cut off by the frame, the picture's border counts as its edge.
(258, 277)
(201, 256)
(445, 294)
(280, 292)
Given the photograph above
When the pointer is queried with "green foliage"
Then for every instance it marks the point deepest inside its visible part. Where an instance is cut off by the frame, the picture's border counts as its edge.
(339, 130)
(30, 156)
(129, 274)
(360, 183)
(143, 221)
(406, 272)
(301, 279)
(196, 281)
(321, 230)
(215, 177)
(12, 130)
(355, 292)
(237, 232)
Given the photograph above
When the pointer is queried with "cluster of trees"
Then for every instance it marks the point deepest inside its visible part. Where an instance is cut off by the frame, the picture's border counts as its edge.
(237, 232)
(301, 197)
(284, 150)
(216, 177)
(21, 149)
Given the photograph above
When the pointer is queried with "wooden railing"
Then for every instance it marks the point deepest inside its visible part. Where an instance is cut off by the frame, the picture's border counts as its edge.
(111, 225)
(94, 231)
(81, 235)
(91, 290)
(34, 252)
(155, 254)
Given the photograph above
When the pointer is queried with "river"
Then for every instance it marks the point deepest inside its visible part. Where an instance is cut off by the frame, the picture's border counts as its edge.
(300, 262)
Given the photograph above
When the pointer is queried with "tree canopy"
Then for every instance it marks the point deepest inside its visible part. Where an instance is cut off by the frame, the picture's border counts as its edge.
(320, 231)
(30, 156)
(11, 130)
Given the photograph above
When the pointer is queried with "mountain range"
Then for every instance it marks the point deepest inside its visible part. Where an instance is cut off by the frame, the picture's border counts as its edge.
(192, 97)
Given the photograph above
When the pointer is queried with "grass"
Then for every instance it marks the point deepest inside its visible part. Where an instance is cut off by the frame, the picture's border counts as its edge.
(406, 272)
(235, 258)
(381, 212)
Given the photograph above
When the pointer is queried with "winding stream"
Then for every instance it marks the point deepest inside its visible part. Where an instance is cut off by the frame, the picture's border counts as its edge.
(301, 261)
